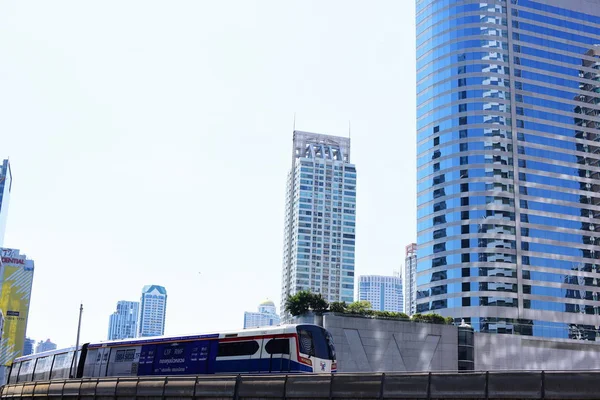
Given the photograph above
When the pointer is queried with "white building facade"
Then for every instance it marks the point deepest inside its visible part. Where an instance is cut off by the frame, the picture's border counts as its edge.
(409, 279)
(123, 322)
(319, 238)
(266, 316)
(153, 310)
(383, 292)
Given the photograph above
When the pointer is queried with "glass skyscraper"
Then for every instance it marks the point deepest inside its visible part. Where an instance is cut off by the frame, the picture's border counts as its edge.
(508, 125)
(123, 322)
(319, 236)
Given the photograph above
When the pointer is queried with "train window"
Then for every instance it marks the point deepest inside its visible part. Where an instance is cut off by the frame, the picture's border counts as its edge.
(278, 346)
(314, 341)
(42, 368)
(306, 342)
(60, 369)
(230, 349)
(14, 372)
(26, 372)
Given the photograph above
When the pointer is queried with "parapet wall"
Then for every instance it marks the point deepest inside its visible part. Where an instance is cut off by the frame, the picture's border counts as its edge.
(377, 345)
(498, 352)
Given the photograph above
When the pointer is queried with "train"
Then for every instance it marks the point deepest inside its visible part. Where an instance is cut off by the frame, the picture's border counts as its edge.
(299, 348)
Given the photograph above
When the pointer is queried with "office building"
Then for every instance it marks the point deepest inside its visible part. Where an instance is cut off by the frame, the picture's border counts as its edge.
(153, 309)
(409, 279)
(266, 316)
(383, 292)
(319, 237)
(46, 345)
(508, 123)
(5, 188)
(123, 322)
(16, 277)
(28, 346)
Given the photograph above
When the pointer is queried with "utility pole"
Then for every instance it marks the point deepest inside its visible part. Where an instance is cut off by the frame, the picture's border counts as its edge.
(74, 375)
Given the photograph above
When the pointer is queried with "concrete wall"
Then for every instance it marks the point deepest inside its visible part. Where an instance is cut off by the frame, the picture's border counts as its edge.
(377, 345)
(497, 352)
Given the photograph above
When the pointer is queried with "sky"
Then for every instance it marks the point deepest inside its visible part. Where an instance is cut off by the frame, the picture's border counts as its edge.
(150, 141)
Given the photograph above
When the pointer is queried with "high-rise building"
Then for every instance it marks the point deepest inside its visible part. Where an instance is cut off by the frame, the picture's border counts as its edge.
(46, 345)
(16, 277)
(123, 322)
(153, 310)
(266, 316)
(508, 124)
(5, 188)
(409, 279)
(319, 237)
(383, 292)
(28, 346)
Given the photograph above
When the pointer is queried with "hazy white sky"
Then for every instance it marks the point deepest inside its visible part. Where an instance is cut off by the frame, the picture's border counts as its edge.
(150, 143)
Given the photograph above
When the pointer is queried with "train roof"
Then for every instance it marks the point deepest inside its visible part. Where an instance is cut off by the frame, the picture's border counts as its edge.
(46, 353)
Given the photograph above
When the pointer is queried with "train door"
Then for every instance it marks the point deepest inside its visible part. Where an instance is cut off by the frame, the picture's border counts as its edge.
(101, 361)
(199, 356)
(146, 362)
(276, 352)
(256, 364)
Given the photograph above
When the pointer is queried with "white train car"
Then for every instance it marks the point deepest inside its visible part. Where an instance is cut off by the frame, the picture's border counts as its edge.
(282, 349)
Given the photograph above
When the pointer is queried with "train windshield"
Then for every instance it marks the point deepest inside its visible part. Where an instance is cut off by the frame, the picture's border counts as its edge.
(315, 341)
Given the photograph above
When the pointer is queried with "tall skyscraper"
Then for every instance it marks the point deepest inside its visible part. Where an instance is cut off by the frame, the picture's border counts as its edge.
(5, 188)
(409, 279)
(153, 311)
(266, 316)
(123, 322)
(383, 292)
(508, 124)
(319, 238)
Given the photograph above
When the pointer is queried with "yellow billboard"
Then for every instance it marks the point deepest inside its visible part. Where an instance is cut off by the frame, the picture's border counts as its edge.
(16, 272)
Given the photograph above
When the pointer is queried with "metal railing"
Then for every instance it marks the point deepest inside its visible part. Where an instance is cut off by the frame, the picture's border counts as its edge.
(436, 385)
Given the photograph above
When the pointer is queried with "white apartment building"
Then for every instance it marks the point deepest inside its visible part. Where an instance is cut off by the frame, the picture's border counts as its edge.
(383, 292)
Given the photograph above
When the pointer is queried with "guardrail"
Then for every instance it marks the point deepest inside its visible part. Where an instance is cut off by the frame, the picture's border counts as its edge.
(476, 385)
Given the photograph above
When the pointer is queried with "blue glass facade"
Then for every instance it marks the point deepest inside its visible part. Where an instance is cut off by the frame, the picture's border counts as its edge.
(508, 125)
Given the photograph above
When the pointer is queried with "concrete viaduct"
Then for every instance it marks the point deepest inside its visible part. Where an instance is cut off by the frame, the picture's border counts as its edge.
(436, 385)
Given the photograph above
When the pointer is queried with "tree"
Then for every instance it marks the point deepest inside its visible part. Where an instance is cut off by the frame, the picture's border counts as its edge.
(359, 307)
(417, 318)
(303, 301)
(449, 320)
(318, 304)
(338, 307)
(298, 303)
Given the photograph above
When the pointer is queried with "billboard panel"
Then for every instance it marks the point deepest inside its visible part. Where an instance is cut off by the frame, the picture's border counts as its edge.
(16, 274)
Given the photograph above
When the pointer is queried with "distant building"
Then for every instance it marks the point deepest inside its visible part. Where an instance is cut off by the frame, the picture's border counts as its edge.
(266, 316)
(153, 311)
(28, 347)
(319, 237)
(45, 346)
(409, 279)
(5, 188)
(383, 292)
(123, 322)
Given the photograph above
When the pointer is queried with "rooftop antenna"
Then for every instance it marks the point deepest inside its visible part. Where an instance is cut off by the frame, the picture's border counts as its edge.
(294, 122)
(349, 132)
